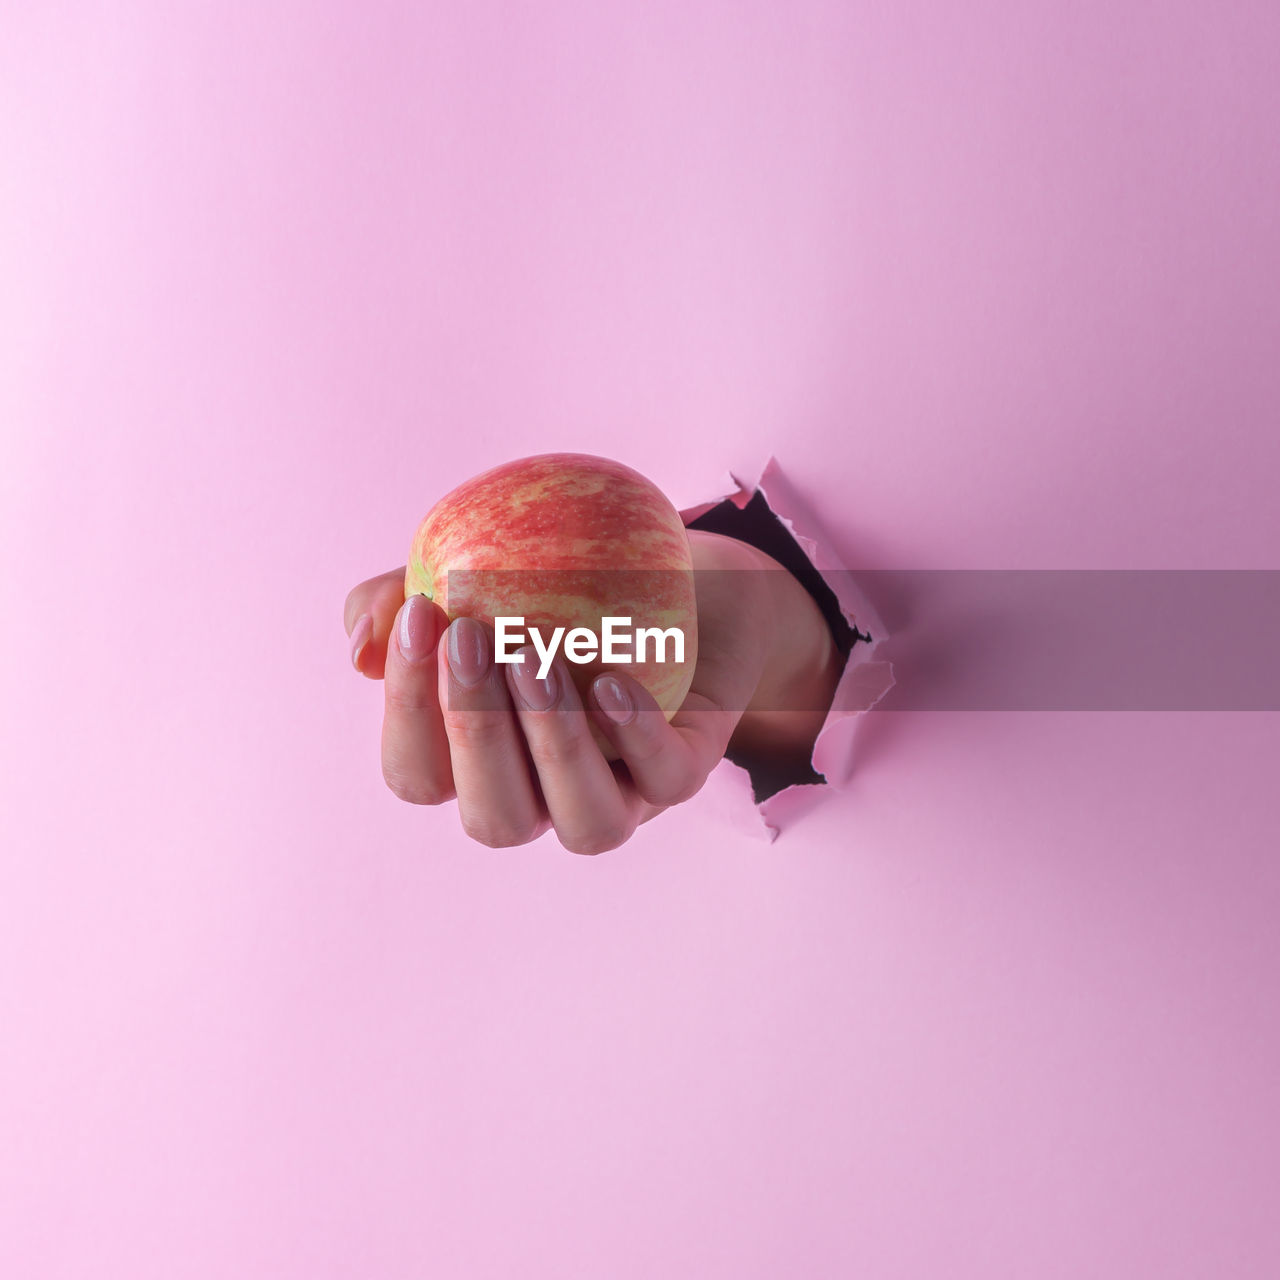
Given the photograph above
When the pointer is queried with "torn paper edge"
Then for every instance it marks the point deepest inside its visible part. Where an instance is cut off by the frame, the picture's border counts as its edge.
(865, 680)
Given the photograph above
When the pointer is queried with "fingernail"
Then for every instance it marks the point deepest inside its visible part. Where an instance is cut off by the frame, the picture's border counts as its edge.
(538, 695)
(360, 634)
(614, 700)
(416, 625)
(468, 651)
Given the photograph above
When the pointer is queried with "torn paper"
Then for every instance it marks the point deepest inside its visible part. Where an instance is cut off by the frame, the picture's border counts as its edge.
(866, 677)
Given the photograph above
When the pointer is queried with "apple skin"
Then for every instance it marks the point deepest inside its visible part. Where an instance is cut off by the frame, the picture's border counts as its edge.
(570, 538)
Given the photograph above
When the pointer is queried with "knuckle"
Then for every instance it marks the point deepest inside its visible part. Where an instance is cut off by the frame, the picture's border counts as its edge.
(670, 791)
(474, 729)
(414, 790)
(644, 741)
(410, 697)
(596, 841)
(497, 833)
(560, 750)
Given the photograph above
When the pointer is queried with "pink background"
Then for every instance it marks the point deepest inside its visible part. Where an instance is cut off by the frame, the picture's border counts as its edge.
(996, 282)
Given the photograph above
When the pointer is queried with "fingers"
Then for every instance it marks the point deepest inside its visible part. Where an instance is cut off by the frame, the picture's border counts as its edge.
(415, 749)
(519, 756)
(590, 812)
(377, 600)
(668, 762)
(497, 802)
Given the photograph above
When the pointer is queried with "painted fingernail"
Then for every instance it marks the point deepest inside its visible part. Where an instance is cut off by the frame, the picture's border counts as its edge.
(360, 634)
(614, 700)
(468, 651)
(416, 625)
(538, 695)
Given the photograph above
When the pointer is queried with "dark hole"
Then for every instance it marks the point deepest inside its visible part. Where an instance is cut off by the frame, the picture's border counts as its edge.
(757, 525)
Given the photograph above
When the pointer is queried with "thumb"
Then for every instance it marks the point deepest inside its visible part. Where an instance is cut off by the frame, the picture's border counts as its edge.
(368, 616)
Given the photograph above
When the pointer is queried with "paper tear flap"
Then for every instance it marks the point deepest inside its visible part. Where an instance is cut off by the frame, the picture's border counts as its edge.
(866, 677)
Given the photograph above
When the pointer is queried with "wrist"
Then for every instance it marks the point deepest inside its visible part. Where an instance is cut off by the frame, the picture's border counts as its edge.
(801, 669)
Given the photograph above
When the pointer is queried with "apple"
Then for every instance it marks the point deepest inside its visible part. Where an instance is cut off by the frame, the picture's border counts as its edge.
(565, 540)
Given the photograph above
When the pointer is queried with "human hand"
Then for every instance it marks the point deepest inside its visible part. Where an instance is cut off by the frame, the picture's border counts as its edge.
(518, 754)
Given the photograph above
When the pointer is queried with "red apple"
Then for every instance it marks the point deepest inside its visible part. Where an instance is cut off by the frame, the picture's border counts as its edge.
(565, 540)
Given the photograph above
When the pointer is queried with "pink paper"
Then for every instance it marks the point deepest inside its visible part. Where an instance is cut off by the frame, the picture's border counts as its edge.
(866, 678)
